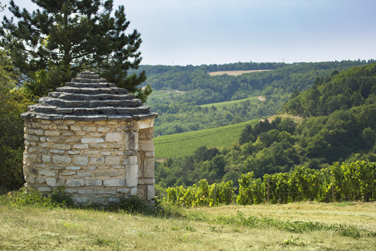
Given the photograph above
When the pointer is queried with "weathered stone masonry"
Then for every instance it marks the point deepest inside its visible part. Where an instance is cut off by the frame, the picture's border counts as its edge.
(94, 139)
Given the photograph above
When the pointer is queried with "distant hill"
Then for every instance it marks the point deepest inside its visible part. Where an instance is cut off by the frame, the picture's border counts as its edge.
(191, 108)
(337, 91)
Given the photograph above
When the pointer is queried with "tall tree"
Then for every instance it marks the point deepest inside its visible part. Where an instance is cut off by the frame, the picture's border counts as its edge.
(54, 43)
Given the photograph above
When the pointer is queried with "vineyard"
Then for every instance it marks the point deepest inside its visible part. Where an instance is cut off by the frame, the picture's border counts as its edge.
(340, 182)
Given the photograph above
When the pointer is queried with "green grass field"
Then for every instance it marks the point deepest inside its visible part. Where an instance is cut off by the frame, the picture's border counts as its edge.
(229, 104)
(183, 144)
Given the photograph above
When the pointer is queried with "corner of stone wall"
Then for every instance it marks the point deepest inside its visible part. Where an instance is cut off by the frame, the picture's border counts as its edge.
(146, 181)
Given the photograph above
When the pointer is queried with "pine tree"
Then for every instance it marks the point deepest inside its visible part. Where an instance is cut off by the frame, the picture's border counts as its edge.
(64, 37)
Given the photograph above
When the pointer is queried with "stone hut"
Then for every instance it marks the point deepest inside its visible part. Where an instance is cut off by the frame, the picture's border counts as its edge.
(94, 139)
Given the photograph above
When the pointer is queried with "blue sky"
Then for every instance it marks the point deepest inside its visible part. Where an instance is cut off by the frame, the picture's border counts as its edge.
(226, 31)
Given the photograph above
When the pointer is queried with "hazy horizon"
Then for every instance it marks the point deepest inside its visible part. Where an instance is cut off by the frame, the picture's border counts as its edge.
(228, 31)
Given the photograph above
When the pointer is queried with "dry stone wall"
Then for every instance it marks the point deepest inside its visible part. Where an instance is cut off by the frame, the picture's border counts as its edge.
(96, 156)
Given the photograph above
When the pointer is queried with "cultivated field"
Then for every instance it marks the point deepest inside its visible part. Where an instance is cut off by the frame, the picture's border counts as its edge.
(186, 143)
(229, 104)
(160, 94)
(233, 73)
(297, 226)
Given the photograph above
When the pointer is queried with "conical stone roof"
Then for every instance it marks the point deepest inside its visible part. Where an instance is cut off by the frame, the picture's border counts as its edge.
(89, 98)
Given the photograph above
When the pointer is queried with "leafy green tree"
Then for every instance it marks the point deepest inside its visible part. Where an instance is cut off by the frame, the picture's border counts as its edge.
(62, 38)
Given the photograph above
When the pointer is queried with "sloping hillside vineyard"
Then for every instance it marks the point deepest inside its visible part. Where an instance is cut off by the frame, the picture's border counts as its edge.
(344, 132)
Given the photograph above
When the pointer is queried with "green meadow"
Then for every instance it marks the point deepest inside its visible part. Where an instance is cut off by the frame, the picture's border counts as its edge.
(228, 104)
(183, 144)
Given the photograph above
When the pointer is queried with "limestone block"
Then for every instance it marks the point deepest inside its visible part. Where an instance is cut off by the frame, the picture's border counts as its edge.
(106, 153)
(146, 145)
(30, 179)
(80, 146)
(52, 127)
(103, 129)
(91, 152)
(38, 132)
(33, 171)
(113, 137)
(115, 173)
(51, 133)
(47, 173)
(31, 137)
(73, 140)
(97, 161)
(131, 140)
(123, 190)
(101, 174)
(69, 190)
(42, 139)
(89, 128)
(57, 151)
(44, 126)
(54, 183)
(130, 160)
(74, 152)
(113, 145)
(98, 199)
(46, 122)
(131, 175)
(81, 200)
(67, 134)
(149, 168)
(105, 191)
(112, 160)
(96, 183)
(46, 158)
(62, 127)
(149, 154)
(118, 153)
(75, 182)
(56, 139)
(134, 191)
(141, 193)
(130, 152)
(149, 192)
(80, 160)
(68, 173)
(34, 158)
(114, 183)
(44, 189)
(70, 122)
(57, 167)
(84, 174)
(147, 123)
(91, 140)
(61, 146)
(73, 168)
(40, 180)
(42, 144)
(61, 160)
(75, 128)
(98, 146)
(91, 168)
(80, 133)
(85, 191)
(146, 181)
(113, 199)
